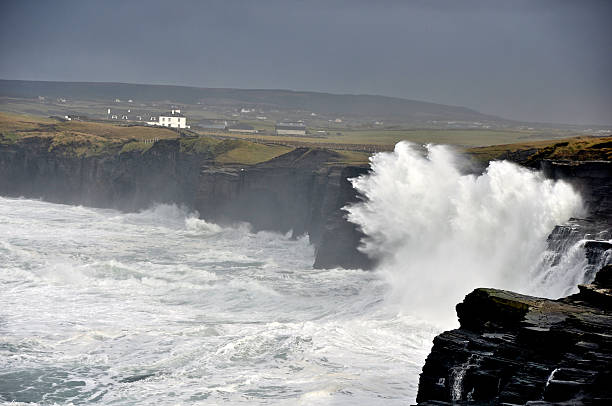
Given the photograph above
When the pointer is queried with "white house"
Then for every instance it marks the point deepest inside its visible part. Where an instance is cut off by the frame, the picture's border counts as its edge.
(173, 119)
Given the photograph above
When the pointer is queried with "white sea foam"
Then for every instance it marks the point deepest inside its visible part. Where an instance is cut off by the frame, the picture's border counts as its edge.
(160, 307)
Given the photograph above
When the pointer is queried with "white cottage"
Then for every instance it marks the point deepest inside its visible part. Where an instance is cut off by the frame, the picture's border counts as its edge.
(173, 119)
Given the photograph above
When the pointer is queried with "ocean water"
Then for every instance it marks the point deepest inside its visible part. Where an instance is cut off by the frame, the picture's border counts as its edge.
(159, 307)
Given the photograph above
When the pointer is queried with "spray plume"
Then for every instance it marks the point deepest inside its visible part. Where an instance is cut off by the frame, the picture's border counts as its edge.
(439, 233)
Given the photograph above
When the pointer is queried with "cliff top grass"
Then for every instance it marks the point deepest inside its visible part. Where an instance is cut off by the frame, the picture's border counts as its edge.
(232, 151)
(18, 122)
(24, 126)
(584, 148)
(79, 138)
(85, 138)
(352, 158)
(249, 152)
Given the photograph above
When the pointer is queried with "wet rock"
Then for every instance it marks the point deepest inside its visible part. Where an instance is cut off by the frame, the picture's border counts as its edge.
(599, 292)
(518, 349)
(592, 179)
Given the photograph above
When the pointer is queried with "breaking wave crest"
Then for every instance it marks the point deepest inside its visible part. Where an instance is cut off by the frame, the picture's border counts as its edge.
(173, 216)
(439, 233)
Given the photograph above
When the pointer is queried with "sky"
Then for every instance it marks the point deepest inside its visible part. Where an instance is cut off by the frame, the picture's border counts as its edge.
(544, 61)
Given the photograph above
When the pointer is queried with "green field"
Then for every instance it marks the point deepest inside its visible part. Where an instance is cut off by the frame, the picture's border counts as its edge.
(84, 138)
(233, 151)
(388, 138)
(343, 137)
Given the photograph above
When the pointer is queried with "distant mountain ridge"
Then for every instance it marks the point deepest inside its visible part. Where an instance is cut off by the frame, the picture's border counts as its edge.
(382, 107)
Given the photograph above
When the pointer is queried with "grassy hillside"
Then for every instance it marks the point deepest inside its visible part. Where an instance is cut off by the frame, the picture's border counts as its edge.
(23, 125)
(89, 138)
(20, 123)
(233, 151)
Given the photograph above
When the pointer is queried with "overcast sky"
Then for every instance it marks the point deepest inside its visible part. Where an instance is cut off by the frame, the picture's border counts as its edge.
(532, 60)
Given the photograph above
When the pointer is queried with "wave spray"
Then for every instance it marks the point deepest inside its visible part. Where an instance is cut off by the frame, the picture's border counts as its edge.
(439, 233)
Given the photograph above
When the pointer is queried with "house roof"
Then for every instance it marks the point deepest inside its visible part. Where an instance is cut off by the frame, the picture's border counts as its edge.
(290, 126)
(171, 114)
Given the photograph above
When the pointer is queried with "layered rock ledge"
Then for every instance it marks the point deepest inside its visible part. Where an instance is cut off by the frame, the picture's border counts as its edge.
(520, 350)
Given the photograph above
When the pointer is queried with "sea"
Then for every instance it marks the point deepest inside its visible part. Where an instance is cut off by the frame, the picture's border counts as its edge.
(160, 307)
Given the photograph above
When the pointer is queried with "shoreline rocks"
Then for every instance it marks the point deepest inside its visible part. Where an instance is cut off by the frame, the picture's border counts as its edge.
(522, 350)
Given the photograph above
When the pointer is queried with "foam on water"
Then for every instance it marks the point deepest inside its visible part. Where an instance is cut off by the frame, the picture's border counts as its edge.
(160, 307)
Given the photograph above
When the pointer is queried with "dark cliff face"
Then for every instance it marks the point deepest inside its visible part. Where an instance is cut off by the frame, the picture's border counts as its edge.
(293, 192)
(593, 179)
(338, 236)
(516, 349)
(127, 181)
(594, 182)
(298, 191)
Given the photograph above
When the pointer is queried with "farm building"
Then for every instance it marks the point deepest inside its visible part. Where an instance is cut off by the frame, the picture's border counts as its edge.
(290, 129)
(70, 117)
(212, 124)
(242, 128)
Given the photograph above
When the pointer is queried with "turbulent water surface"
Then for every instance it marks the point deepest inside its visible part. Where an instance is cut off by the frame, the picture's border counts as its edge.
(162, 308)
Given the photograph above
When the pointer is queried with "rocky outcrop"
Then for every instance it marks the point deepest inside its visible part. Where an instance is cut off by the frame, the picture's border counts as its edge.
(593, 179)
(300, 191)
(522, 350)
(592, 232)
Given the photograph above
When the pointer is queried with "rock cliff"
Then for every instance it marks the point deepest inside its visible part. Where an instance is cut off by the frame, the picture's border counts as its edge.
(298, 191)
(517, 349)
(302, 191)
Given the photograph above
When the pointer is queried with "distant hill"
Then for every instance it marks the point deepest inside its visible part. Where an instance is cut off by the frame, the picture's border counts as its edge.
(380, 107)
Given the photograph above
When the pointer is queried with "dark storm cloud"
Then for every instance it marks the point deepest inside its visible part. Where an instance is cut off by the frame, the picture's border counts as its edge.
(532, 60)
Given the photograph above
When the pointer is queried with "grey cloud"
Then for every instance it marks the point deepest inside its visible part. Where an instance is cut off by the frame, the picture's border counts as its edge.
(530, 60)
